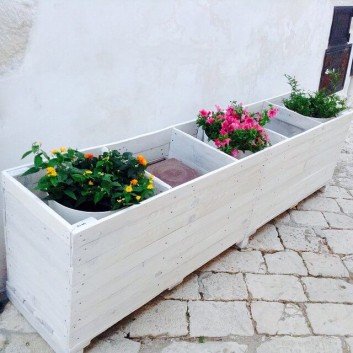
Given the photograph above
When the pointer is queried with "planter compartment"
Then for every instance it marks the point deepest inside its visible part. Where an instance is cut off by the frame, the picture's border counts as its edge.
(73, 281)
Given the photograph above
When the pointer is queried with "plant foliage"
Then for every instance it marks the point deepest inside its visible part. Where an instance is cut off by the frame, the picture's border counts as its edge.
(91, 183)
(319, 104)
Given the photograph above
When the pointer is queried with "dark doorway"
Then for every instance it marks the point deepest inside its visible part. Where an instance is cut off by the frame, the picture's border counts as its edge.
(338, 52)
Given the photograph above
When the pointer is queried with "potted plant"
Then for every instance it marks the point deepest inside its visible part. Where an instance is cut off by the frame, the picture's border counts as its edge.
(80, 185)
(235, 130)
(320, 105)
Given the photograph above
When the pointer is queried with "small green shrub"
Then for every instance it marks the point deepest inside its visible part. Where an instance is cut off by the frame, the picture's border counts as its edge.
(319, 104)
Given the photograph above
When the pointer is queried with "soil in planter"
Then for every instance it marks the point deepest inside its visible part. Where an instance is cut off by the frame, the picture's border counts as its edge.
(172, 171)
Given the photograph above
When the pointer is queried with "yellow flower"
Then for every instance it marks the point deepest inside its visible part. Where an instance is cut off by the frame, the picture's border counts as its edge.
(134, 182)
(150, 186)
(138, 197)
(91, 183)
(128, 188)
(51, 172)
(54, 151)
(63, 149)
(87, 172)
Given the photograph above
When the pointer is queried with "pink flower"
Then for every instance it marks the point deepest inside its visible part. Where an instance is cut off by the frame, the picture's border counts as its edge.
(204, 113)
(210, 120)
(234, 153)
(222, 143)
(218, 108)
(272, 112)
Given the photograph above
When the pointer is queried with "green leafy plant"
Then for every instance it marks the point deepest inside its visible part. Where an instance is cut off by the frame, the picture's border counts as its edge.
(319, 104)
(91, 183)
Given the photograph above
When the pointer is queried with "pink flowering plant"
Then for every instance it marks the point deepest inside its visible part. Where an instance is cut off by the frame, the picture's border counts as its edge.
(236, 129)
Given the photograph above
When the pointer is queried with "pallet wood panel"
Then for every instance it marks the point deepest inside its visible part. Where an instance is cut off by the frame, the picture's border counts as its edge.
(58, 272)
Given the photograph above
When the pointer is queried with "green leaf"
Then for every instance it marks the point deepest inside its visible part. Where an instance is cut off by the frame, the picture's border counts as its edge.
(31, 171)
(38, 161)
(98, 197)
(70, 193)
(54, 181)
(26, 154)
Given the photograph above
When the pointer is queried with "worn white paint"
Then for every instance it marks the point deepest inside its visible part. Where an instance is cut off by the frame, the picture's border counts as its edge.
(93, 71)
(136, 253)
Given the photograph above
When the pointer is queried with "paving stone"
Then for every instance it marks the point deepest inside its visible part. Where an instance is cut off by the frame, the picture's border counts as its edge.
(223, 286)
(346, 205)
(340, 241)
(335, 192)
(285, 262)
(266, 239)
(310, 218)
(164, 318)
(217, 319)
(237, 261)
(328, 290)
(279, 319)
(301, 345)
(188, 290)
(283, 218)
(26, 343)
(2, 341)
(301, 239)
(331, 319)
(348, 261)
(275, 287)
(207, 347)
(12, 320)
(324, 265)
(113, 344)
(339, 221)
(349, 342)
(317, 203)
(346, 183)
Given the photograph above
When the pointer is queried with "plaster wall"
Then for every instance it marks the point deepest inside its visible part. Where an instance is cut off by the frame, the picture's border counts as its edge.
(82, 73)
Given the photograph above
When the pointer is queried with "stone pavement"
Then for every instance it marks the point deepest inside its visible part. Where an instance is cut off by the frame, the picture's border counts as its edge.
(289, 291)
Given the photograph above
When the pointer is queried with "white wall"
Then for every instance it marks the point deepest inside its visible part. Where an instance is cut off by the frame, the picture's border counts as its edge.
(94, 71)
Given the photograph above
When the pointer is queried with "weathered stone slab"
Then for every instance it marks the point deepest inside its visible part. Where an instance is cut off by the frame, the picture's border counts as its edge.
(164, 318)
(348, 261)
(328, 290)
(266, 239)
(12, 320)
(301, 239)
(207, 347)
(279, 319)
(317, 203)
(340, 241)
(331, 319)
(309, 218)
(301, 345)
(218, 319)
(324, 265)
(27, 343)
(275, 287)
(285, 262)
(335, 192)
(237, 261)
(339, 221)
(114, 344)
(346, 205)
(188, 290)
(223, 286)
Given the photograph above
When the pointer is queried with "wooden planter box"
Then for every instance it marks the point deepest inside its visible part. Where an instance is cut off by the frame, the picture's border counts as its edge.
(73, 281)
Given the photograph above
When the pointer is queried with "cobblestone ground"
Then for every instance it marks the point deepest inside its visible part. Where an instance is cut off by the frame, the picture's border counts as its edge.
(289, 291)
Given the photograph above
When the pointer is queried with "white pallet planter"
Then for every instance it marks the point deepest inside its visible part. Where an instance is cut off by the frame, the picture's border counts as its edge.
(73, 281)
